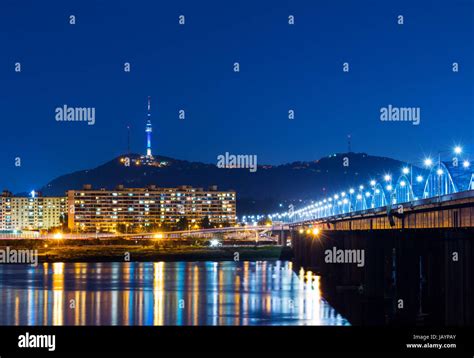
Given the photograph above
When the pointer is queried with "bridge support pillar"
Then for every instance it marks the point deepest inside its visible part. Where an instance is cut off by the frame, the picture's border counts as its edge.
(407, 277)
(282, 237)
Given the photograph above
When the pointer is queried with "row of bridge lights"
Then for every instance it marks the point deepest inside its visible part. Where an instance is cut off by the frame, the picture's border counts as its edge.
(342, 198)
(328, 203)
(387, 178)
(314, 231)
(428, 162)
(253, 219)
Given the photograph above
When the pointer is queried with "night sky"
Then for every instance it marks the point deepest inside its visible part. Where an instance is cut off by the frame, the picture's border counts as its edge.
(190, 67)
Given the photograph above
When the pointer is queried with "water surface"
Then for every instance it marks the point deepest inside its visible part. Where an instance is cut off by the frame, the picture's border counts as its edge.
(162, 293)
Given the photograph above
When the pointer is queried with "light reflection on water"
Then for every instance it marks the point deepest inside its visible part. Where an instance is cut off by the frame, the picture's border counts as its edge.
(162, 293)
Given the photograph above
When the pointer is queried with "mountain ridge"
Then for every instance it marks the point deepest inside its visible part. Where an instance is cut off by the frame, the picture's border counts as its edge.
(262, 190)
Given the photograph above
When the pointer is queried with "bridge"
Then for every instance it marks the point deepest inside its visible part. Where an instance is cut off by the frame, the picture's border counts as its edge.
(433, 184)
(256, 233)
(449, 211)
(438, 196)
(396, 250)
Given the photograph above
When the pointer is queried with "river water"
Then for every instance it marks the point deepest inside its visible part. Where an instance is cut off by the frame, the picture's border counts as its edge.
(162, 293)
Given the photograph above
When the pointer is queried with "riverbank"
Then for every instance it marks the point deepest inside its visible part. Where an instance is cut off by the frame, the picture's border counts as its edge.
(52, 251)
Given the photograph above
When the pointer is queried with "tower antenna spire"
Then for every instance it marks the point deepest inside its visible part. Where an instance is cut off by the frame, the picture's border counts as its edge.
(128, 139)
(148, 131)
(349, 147)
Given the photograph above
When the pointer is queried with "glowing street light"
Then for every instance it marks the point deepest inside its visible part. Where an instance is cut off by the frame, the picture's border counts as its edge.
(387, 177)
(58, 236)
(457, 149)
(372, 183)
(214, 243)
(439, 172)
(419, 178)
(389, 187)
(428, 162)
(405, 170)
(466, 164)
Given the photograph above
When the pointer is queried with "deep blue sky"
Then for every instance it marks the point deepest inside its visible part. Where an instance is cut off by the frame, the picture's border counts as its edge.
(190, 67)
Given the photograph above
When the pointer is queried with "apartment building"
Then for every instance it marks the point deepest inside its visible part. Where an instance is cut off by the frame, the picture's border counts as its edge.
(33, 212)
(104, 210)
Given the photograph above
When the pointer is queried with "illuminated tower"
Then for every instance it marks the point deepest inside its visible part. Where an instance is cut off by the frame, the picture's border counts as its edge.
(148, 131)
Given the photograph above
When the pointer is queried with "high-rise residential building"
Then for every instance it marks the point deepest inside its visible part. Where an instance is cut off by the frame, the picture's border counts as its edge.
(33, 212)
(106, 210)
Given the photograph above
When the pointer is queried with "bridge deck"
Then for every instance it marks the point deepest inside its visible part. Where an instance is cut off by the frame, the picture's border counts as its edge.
(449, 211)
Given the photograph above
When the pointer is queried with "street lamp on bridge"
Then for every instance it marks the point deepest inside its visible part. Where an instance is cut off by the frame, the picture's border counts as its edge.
(428, 162)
